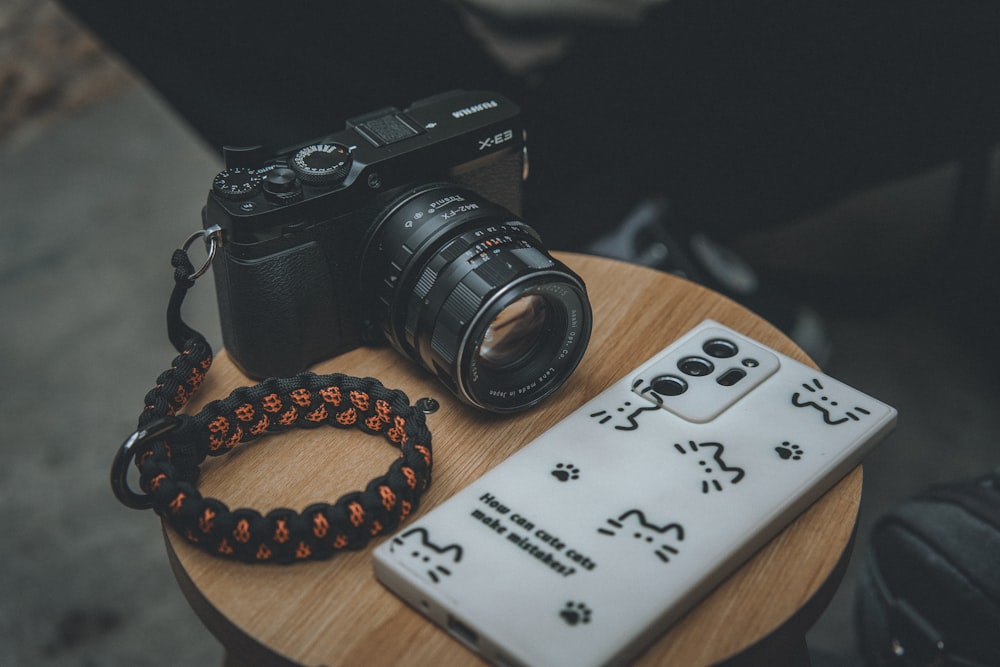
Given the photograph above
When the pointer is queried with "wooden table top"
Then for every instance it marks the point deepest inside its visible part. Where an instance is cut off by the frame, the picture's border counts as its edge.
(336, 613)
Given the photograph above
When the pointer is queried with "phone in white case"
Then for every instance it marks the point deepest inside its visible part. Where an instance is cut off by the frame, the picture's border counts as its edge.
(590, 541)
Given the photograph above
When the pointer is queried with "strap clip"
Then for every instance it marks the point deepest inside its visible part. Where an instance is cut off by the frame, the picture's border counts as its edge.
(119, 468)
(213, 239)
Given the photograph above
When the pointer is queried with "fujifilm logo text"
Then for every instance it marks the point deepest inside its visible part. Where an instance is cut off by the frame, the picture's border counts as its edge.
(475, 108)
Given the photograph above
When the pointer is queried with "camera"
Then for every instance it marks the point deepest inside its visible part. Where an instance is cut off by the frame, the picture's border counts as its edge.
(402, 227)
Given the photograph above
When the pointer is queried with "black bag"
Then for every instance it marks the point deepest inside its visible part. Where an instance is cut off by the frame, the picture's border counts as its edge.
(929, 589)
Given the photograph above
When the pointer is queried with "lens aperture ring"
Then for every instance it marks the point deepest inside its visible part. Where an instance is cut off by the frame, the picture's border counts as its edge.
(451, 265)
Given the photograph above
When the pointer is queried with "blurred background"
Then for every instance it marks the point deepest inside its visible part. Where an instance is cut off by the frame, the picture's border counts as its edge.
(100, 181)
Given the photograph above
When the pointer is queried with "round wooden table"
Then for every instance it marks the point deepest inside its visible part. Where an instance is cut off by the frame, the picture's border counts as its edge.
(336, 613)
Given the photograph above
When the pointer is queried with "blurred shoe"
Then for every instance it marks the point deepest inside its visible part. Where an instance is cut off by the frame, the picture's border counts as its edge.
(643, 238)
(929, 588)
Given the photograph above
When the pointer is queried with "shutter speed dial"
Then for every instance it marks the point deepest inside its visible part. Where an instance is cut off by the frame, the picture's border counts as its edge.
(322, 164)
(237, 183)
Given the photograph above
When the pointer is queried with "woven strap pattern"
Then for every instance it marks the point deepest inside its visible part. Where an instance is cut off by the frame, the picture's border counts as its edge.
(169, 466)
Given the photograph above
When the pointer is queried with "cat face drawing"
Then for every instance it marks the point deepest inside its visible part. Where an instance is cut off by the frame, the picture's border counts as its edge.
(625, 417)
(634, 523)
(815, 396)
(717, 473)
(416, 544)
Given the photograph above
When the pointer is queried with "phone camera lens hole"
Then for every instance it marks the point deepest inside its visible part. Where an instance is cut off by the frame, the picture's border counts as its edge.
(720, 348)
(695, 366)
(731, 377)
(669, 385)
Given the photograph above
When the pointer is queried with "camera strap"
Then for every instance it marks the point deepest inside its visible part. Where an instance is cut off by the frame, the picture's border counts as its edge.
(168, 447)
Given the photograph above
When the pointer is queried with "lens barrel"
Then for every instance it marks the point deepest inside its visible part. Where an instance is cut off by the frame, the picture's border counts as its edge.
(467, 290)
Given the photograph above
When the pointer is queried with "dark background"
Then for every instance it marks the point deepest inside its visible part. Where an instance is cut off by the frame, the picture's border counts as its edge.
(100, 180)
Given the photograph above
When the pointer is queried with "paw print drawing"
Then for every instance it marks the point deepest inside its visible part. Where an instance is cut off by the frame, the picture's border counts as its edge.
(712, 465)
(575, 613)
(647, 532)
(788, 451)
(566, 472)
(816, 396)
(420, 548)
(631, 422)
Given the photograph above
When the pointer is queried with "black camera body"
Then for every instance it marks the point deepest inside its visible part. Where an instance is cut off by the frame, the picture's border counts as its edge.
(403, 225)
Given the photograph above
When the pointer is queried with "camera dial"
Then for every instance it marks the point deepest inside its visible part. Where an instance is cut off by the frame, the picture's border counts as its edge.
(322, 164)
(236, 183)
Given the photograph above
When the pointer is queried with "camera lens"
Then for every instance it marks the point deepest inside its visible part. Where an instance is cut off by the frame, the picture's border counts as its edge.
(669, 385)
(695, 366)
(720, 348)
(468, 291)
(513, 334)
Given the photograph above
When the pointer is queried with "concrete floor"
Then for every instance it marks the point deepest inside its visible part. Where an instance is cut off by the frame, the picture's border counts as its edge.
(91, 209)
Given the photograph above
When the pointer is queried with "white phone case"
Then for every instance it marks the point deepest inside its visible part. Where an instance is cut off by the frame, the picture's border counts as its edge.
(590, 541)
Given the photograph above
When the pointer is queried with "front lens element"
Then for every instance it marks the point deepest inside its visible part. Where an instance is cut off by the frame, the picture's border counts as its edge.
(513, 334)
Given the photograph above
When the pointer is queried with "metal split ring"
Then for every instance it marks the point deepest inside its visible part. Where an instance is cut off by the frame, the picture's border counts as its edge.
(213, 239)
(126, 453)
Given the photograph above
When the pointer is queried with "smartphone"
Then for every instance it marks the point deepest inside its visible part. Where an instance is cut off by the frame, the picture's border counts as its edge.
(590, 541)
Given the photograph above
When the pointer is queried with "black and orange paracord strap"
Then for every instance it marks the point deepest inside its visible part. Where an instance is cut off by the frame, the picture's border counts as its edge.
(168, 449)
